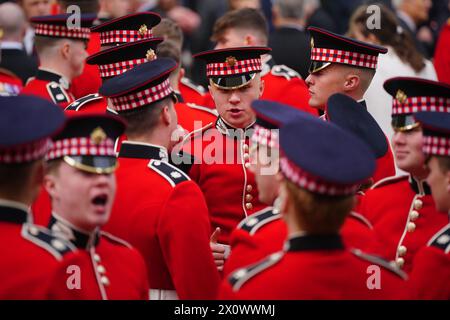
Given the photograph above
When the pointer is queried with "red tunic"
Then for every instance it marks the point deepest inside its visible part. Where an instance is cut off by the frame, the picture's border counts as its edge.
(193, 117)
(430, 276)
(10, 85)
(90, 103)
(30, 255)
(315, 267)
(50, 86)
(221, 169)
(404, 217)
(442, 55)
(162, 213)
(191, 92)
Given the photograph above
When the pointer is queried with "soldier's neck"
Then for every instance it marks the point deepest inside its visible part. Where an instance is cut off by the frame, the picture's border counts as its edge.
(58, 68)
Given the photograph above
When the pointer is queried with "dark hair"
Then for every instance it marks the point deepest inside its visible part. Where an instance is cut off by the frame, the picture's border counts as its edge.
(390, 34)
(444, 164)
(169, 49)
(169, 30)
(251, 19)
(86, 6)
(13, 177)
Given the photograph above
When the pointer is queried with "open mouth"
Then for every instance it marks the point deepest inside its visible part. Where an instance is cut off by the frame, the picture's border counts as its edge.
(100, 200)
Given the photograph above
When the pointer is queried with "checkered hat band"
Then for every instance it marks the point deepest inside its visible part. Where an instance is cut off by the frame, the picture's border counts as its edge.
(123, 36)
(239, 67)
(417, 104)
(345, 57)
(266, 137)
(314, 184)
(115, 69)
(142, 98)
(81, 146)
(62, 31)
(436, 146)
(25, 153)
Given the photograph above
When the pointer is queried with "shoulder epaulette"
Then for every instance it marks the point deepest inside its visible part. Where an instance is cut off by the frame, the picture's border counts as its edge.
(206, 109)
(379, 262)
(197, 133)
(29, 80)
(57, 92)
(441, 239)
(241, 276)
(45, 239)
(79, 103)
(256, 221)
(169, 172)
(188, 83)
(115, 239)
(284, 71)
(388, 181)
(361, 218)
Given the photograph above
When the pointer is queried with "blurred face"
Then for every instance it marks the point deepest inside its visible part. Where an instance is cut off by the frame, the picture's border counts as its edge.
(408, 150)
(234, 105)
(323, 84)
(418, 10)
(77, 56)
(34, 8)
(240, 4)
(265, 166)
(83, 199)
(439, 182)
(117, 8)
(230, 39)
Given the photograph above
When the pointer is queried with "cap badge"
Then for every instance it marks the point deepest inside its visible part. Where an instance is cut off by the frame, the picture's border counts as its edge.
(98, 135)
(143, 30)
(312, 43)
(151, 55)
(401, 96)
(231, 61)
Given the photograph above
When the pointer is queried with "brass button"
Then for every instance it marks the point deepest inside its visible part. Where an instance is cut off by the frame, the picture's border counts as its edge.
(248, 198)
(247, 165)
(249, 206)
(418, 204)
(414, 215)
(400, 262)
(246, 156)
(249, 188)
(101, 269)
(411, 227)
(245, 147)
(401, 251)
(97, 258)
(104, 280)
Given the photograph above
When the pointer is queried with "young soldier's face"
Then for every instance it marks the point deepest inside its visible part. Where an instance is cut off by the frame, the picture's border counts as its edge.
(34, 8)
(323, 84)
(234, 105)
(439, 182)
(78, 55)
(83, 199)
(407, 148)
(231, 38)
(265, 166)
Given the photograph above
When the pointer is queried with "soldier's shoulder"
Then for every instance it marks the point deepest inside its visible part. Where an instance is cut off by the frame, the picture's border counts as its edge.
(389, 181)
(239, 277)
(256, 221)
(441, 239)
(198, 133)
(83, 102)
(169, 172)
(189, 83)
(202, 108)
(386, 265)
(45, 239)
(284, 71)
(115, 240)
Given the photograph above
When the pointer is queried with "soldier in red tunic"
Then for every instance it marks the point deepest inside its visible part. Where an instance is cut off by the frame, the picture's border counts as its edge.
(323, 167)
(81, 182)
(10, 85)
(62, 54)
(402, 209)
(442, 54)
(159, 210)
(343, 65)
(248, 27)
(30, 254)
(430, 276)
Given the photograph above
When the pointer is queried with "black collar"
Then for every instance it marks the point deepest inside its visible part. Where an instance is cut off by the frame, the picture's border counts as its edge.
(78, 238)
(228, 130)
(13, 215)
(132, 150)
(315, 242)
(53, 77)
(363, 103)
(419, 186)
(179, 97)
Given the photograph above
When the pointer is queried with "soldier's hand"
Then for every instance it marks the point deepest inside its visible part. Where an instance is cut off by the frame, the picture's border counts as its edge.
(218, 250)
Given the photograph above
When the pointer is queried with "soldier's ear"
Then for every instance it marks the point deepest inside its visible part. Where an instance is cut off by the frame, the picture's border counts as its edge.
(262, 86)
(352, 82)
(65, 49)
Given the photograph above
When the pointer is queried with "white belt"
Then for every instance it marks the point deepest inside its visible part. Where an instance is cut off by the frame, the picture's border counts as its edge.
(159, 294)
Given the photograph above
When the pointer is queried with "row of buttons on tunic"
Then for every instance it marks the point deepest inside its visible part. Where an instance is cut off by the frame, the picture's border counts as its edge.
(249, 187)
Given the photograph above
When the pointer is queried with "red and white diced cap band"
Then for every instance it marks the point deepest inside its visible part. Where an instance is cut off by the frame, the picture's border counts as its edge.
(115, 69)
(143, 97)
(266, 137)
(344, 57)
(59, 31)
(407, 105)
(436, 146)
(233, 67)
(314, 184)
(25, 153)
(124, 36)
(81, 146)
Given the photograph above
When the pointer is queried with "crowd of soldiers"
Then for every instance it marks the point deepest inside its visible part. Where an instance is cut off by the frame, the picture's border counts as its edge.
(123, 180)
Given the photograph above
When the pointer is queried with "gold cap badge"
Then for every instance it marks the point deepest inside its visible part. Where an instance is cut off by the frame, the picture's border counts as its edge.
(312, 42)
(143, 30)
(231, 61)
(98, 136)
(151, 55)
(401, 96)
